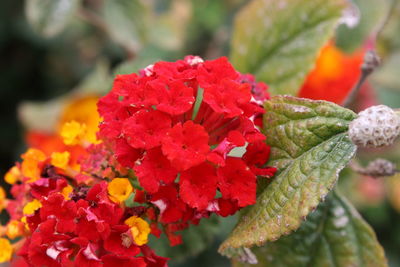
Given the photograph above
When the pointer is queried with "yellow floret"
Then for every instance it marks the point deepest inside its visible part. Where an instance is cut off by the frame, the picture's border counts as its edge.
(140, 229)
(6, 250)
(29, 166)
(3, 197)
(73, 132)
(119, 189)
(31, 207)
(13, 175)
(15, 229)
(66, 191)
(60, 159)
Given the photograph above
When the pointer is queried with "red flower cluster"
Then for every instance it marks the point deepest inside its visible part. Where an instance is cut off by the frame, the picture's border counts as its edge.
(176, 124)
(64, 220)
(88, 230)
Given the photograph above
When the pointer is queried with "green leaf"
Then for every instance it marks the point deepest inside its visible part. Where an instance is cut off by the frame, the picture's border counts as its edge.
(279, 41)
(333, 235)
(309, 146)
(49, 17)
(126, 21)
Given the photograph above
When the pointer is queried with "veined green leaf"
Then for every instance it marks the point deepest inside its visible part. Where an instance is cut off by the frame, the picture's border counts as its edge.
(49, 17)
(278, 41)
(333, 235)
(309, 146)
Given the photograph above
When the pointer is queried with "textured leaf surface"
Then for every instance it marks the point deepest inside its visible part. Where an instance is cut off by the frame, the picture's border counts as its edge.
(333, 236)
(49, 17)
(309, 146)
(278, 41)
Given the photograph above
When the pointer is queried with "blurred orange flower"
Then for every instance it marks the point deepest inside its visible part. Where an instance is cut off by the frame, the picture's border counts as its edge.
(334, 75)
(79, 110)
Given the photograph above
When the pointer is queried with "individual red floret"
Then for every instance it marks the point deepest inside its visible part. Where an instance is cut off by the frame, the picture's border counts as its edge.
(175, 97)
(227, 96)
(146, 128)
(178, 70)
(171, 208)
(186, 145)
(256, 157)
(155, 170)
(64, 212)
(135, 90)
(125, 154)
(198, 186)
(237, 182)
(212, 71)
(226, 207)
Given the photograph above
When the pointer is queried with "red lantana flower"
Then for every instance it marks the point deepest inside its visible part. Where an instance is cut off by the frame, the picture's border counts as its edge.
(175, 124)
(88, 231)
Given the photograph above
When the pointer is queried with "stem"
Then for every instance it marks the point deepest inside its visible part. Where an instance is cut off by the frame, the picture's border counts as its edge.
(371, 62)
(372, 54)
(376, 168)
(385, 21)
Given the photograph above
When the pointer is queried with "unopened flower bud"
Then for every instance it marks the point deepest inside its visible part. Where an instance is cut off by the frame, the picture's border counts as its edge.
(375, 127)
(380, 168)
